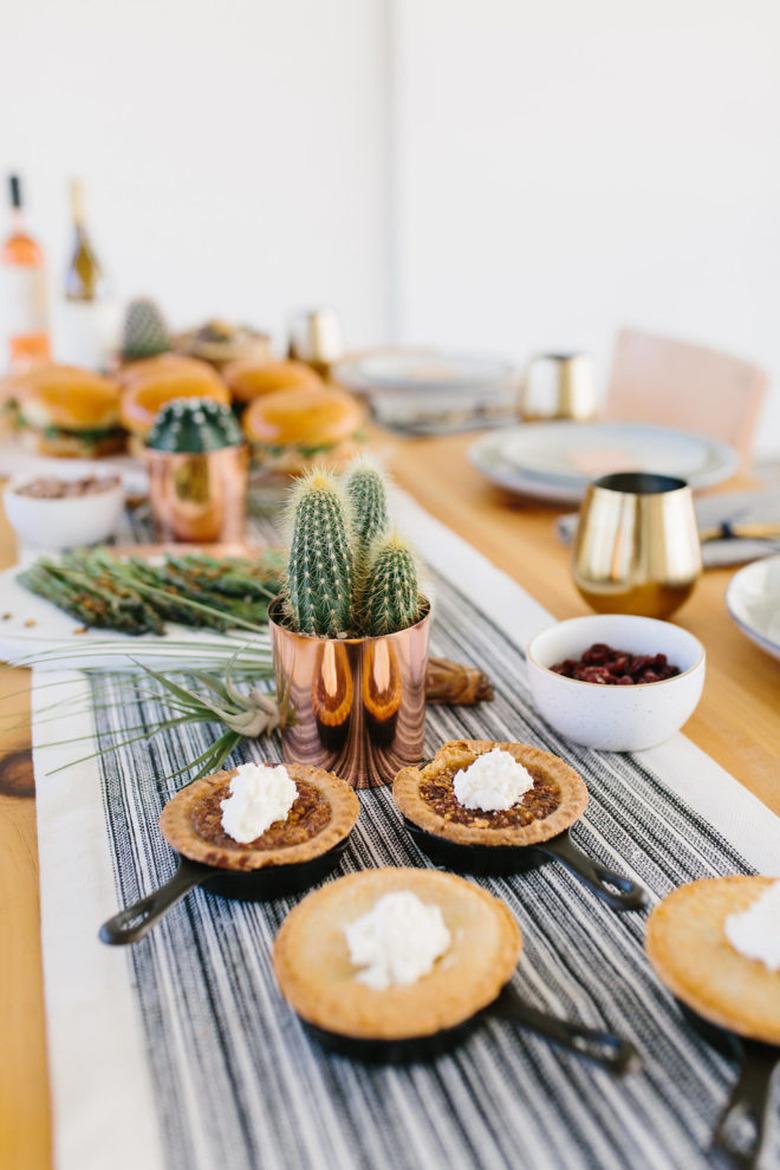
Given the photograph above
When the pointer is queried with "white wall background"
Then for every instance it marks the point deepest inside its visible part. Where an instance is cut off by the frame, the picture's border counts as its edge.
(233, 150)
(568, 167)
(509, 174)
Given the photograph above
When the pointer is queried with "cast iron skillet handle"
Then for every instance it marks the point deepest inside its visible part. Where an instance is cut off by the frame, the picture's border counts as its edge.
(629, 895)
(740, 1129)
(131, 924)
(604, 1048)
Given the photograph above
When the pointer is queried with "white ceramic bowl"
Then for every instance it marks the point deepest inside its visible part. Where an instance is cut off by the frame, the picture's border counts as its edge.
(611, 718)
(65, 523)
(753, 600)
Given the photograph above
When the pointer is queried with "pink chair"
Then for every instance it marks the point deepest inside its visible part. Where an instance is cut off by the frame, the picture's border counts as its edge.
(677, 384)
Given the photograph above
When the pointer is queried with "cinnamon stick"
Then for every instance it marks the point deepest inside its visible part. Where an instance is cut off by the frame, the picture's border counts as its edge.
(456, 683)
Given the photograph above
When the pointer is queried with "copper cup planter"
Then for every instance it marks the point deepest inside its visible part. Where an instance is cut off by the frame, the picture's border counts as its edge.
(199, 497)
(355, 706)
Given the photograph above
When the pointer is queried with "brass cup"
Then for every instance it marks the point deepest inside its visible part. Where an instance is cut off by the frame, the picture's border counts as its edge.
(637, 548)
(200, 497)
(355, 706)
(316, 338)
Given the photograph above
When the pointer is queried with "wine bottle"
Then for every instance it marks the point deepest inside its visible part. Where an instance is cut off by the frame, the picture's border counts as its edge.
(84, 277)
(86, 320)
(23, 306)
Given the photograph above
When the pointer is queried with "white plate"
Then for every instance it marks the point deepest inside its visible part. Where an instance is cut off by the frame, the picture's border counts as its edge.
(557, 460)
(53, 635)
(412, 370)
(753, 601)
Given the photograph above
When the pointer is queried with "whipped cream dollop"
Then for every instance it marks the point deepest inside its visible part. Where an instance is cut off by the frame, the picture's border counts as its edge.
(397, 941)
(755, 932)
(494, 781)
(259, 796)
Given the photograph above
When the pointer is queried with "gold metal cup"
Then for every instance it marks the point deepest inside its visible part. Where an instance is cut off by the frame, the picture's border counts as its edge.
(637, 548)
(199, 497)
(316, 338)
(355, 706)
(573, 388)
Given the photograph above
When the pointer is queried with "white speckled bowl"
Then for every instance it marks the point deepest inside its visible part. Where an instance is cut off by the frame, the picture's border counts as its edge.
(610, 718)
(67, 522)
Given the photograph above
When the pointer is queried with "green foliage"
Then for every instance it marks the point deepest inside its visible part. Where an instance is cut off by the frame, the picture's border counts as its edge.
(145, 332)
(194, 425)
(392, 596)
(319, 582)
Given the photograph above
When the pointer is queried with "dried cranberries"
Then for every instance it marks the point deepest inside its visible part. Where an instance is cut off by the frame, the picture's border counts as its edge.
(607, 667)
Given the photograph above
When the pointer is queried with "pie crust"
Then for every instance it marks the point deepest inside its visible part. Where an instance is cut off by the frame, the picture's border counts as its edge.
(177, 822)
(459, 754)
(317, 978)
(687, 945)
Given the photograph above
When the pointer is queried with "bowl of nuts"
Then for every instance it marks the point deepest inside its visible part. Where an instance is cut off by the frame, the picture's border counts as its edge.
(63, 511)
(616, 682)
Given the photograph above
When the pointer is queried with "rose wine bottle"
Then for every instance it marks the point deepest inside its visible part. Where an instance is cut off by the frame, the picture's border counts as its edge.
(23, 307)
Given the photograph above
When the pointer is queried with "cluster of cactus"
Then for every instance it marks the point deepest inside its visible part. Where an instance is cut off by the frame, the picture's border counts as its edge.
(145, 333)
(349, 573)
(194, 425)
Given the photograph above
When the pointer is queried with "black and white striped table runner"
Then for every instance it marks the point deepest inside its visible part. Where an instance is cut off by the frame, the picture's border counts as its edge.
(239, 1086)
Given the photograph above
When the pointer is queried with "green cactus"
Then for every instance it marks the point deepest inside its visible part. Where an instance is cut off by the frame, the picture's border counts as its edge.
(145, 332)
(319, 580)
(194, 425)
(392, 599)
(364, 487)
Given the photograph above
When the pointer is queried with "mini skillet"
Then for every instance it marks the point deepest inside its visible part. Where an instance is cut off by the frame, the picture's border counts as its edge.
(550, 837)
(755, 1047)
(418, 1022)
(251, 873)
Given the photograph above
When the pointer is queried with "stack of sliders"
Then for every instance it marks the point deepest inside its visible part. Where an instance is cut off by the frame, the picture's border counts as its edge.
(65, 411)
(151, 383)
(291, 418)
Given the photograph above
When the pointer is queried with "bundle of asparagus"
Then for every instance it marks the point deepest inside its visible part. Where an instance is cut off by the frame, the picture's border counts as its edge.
(134, 596)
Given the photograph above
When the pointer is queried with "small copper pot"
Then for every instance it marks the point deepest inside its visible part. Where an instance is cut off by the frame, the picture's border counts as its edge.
(199, 497)
(355, 706)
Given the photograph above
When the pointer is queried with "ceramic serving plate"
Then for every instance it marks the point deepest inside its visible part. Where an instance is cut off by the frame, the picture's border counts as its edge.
(415, 369)
(753, 601)
(32, 627)
(431, 391)
(557, 460)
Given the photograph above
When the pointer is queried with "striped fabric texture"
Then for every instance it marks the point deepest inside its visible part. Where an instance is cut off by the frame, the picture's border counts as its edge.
(238, 1083)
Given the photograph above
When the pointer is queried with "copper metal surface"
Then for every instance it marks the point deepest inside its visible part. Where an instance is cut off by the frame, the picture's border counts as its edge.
(199, 497)
(355, 706)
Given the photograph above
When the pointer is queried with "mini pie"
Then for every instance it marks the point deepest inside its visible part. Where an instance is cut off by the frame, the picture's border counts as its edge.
(317, 978)
(687, 945)
(426, 797)
(324, 813)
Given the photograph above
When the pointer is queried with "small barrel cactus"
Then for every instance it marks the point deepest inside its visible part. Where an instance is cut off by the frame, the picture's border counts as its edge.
(145, 332)
(194, 425)
(391, 601)
(319, 581)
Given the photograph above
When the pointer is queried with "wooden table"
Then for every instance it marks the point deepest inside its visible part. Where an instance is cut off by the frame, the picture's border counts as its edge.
(737, 722)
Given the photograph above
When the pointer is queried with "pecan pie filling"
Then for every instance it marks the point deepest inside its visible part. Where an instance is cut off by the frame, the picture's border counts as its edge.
(309, 815)
(536, 804)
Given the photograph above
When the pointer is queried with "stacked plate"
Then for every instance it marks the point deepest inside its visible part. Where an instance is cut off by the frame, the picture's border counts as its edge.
(557, 460)
(431, 391)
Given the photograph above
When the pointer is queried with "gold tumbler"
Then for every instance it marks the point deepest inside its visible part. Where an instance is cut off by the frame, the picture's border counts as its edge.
(199, 497)
(637, 548)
